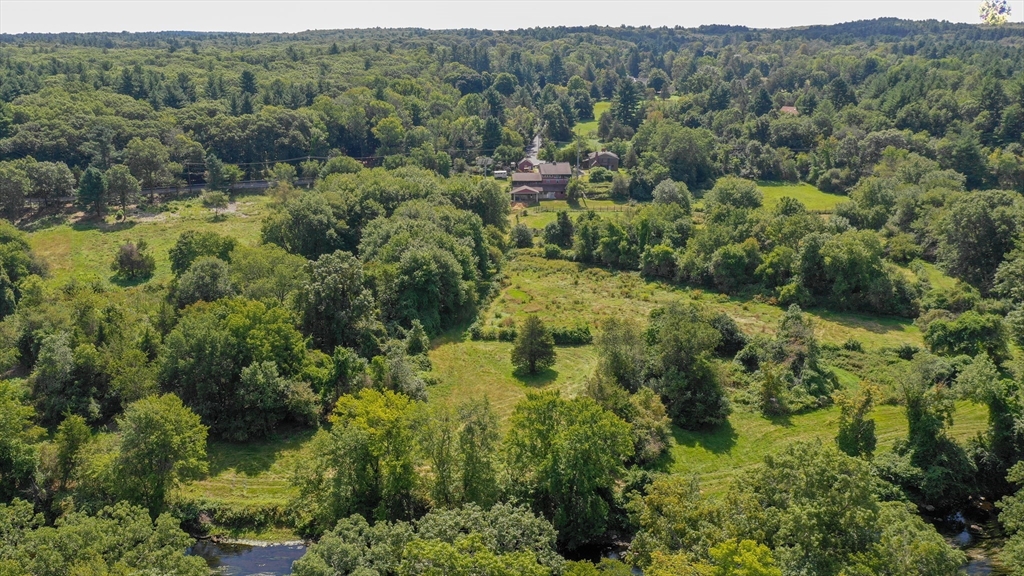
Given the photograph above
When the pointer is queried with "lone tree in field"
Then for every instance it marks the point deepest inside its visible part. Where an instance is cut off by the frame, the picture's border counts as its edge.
(133, 261)
(534, 347)
(215, 200)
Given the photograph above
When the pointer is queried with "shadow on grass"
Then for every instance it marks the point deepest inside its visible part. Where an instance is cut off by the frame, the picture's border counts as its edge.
(718, 440)
(541, 378)
(784, 420)
(124, 282)
(102, 226)
(252, 458)
(43, 222)
(873, 324)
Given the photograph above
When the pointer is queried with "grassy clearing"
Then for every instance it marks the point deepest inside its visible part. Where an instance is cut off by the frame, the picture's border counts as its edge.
(540, 216)
(83, 249)
(564, 293)
(471, 370)
(936, 277)
(589, 129)
(567, 293)
(253, 473)
(811, 197)
(719, 456)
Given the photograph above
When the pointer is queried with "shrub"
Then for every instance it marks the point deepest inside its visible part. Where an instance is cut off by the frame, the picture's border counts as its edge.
(853, 345)
(620, 187)
(552, 252)
(600, 174)
(733, 339)
(971, 333)
(216, 201)
(522, 236)
(133, 261)
(906, 351)
(572, 336)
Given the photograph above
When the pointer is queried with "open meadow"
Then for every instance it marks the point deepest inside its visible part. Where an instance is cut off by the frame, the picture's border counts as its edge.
(82, 248)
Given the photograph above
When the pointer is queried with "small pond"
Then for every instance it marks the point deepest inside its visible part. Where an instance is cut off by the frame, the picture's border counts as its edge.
(241, 559)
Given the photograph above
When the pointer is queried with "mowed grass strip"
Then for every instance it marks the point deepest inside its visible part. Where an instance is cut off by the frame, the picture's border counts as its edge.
(242, 473)
(84, 249)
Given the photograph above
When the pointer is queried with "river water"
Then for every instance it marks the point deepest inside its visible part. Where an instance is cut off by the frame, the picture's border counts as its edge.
(239, 559)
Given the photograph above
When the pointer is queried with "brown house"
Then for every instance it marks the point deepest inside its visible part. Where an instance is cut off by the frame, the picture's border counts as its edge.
(554, 178)
(604, 159)
(791, 110)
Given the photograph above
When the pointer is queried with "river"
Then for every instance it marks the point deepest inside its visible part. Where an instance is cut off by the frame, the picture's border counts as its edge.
(249, 559)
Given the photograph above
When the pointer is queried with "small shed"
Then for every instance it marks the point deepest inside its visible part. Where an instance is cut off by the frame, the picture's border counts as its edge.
(526, 165)
(791, 110)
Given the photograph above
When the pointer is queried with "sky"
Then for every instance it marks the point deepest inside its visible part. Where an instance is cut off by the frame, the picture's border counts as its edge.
(298, 15)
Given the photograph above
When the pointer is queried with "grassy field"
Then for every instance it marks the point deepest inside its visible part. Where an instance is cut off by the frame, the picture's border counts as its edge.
(564, 293)
(589, 129)
(539, 216)
(83, 249)
(253, 473)
(470, 370)
(811, 197)
(719, 456)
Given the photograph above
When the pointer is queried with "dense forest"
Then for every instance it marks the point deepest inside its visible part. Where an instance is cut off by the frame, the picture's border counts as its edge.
(664, 306)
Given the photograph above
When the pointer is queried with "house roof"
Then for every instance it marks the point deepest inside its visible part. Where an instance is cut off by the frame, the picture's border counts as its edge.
(603, 154)
(556, 169)
(526, 177)
(529, 161)
(524, 190)
(789, 110)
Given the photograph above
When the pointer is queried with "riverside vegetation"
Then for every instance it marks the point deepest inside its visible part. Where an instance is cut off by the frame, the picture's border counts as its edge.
(784, 335)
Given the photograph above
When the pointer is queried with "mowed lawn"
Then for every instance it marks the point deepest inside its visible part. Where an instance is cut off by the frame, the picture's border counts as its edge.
(538, 217)
(84, 249)
(810, 196)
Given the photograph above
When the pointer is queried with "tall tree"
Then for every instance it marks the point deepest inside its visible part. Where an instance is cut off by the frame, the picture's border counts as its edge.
(50, 180)
(92, 191)
(149, 161)
(534, 346)
(122, 186)
(163, 443)
(335, 306)
(626, 104)
(564, 456)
